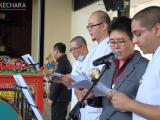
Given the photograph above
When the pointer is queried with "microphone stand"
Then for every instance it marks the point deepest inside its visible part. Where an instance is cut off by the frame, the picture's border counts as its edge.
(75, 112)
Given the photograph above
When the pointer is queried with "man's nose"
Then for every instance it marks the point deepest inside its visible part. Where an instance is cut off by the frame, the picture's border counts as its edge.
(135, 40)
(116, 45)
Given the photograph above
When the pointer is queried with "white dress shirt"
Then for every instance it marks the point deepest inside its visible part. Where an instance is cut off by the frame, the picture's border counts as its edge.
(95, 53)
(149, 90)
(76, 65)
(92, 113)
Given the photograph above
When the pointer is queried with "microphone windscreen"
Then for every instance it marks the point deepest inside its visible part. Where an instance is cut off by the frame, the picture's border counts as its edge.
(116, 54)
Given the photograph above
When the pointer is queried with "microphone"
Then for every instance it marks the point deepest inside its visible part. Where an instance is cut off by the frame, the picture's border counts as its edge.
(113, 55)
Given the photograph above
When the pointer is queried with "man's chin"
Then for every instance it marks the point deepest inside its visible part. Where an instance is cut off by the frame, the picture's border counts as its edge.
(76, 58)
(93, 40)
(144, 52)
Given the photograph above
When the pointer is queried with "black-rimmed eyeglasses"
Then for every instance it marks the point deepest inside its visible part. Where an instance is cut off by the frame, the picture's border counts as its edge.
(72, 50)
(119, 43)
(138, 33)
(91, 26)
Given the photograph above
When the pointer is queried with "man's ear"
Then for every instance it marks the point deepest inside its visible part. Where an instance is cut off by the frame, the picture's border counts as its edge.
(56, 51)
(105, 26)
(157, 29)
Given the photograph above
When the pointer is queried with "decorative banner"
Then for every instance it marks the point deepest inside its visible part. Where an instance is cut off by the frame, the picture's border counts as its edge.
(7, 90)
(15, 65)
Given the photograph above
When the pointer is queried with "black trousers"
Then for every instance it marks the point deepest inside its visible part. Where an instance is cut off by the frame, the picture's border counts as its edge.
(59, 110)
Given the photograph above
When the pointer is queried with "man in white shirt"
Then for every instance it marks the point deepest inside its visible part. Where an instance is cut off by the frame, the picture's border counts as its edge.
(146, 31)
(79, 50)
(98, 29)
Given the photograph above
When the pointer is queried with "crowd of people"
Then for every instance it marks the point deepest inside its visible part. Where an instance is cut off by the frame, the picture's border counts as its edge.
(135, 79)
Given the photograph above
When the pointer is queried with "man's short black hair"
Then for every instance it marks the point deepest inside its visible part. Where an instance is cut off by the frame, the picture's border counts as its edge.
(80, 40)
(60, 46)
(123, 24)
(148, 17)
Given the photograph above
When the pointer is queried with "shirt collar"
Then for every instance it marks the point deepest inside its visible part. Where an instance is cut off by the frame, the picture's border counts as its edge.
(103, 42)
(116, 61)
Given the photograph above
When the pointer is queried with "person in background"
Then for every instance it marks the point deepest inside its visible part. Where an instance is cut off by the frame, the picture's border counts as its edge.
(125, 72)
(146, 31)
(60, 96)
(79, 50)
(98, 29)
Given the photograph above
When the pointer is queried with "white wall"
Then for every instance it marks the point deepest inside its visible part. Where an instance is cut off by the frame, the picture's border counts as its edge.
(35, 30)
(57, 24)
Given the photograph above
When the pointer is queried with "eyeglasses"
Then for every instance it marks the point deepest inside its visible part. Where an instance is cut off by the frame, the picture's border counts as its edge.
(138, 33)
(73, 50)
(91, 26)
(119, 43)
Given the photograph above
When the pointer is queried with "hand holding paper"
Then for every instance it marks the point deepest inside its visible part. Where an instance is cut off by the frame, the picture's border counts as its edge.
(67, 78)
(80, 82)
(57, 77)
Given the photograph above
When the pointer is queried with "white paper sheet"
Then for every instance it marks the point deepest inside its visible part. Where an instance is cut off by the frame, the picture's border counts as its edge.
(77, 78)
(104, 88)
(20, 81)
(80, 82)
(56, 75)
(27, 57)
(87, 84)
(80, 72)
